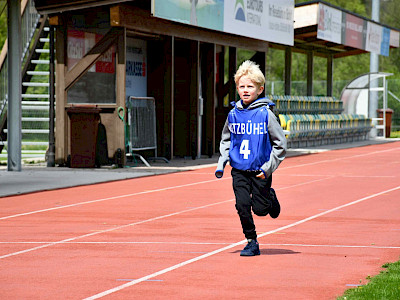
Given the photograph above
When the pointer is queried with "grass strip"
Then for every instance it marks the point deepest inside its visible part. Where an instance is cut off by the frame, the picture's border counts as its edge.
(385, 286)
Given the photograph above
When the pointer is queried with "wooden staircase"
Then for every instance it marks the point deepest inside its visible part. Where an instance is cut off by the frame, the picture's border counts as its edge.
(35, 80)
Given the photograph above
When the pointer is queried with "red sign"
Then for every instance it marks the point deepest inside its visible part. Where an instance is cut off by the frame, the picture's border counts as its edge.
(106, 63)
(80, 42)
(354, 32)
(75, 47)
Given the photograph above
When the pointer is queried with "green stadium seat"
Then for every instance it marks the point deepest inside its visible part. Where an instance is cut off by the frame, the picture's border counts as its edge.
(312, 118)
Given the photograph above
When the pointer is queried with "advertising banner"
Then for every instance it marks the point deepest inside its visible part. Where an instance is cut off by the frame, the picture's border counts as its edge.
(385, 42)
(268, 20)
(354, 30)
(329, 24)
(343, 28)
(394, 38)
(374, 38)
(136, 67)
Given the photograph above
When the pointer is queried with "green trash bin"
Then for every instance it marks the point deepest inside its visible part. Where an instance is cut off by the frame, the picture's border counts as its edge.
(84, 122)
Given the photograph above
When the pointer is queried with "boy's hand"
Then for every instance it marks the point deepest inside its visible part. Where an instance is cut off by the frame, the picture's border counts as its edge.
(261, 175)
(219, 174)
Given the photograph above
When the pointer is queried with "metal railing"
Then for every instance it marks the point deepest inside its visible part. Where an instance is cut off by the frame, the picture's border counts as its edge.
(141, 127)
(29, 21)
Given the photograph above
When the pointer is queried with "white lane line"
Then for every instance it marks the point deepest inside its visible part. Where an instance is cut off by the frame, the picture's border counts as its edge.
(111, 229)
(305, 175)
(177, 266)
(122, 243)
(369, 176)
(132, 224)
(339, 159)
(136, 223)
(184, 168)
(208, 244)
(138, 193)
(304, 183)
(341, 175)
(178, 186)
(332, 246)
(109, 198)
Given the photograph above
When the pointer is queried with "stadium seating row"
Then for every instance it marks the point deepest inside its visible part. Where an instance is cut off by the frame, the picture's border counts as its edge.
(306, 129)
(313, 120)
(307, 104)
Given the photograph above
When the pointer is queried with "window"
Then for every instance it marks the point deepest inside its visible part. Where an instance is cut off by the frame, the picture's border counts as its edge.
(97, 85)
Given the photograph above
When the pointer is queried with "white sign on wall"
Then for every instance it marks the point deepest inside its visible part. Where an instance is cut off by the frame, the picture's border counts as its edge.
(394, 38)
(268, 20)
(136, 68)
(329, 24)
(374, 37)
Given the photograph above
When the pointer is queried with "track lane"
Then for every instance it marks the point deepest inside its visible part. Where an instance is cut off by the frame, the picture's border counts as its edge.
(106, 265)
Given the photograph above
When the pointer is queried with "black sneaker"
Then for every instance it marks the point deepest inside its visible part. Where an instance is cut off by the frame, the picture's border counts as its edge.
(251, 249)
(275, 209)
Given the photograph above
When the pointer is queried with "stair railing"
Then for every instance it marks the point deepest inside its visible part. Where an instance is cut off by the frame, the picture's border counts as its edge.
(29, 22)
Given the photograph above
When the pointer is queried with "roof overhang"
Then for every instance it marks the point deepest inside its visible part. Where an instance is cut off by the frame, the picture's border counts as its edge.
(346, 35)
(308, 22)
(59, 6)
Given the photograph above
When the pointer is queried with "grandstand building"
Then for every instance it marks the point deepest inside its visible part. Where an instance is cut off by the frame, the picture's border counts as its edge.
(159, 74)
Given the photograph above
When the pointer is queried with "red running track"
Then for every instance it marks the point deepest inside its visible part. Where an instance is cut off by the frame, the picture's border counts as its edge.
(177, 236)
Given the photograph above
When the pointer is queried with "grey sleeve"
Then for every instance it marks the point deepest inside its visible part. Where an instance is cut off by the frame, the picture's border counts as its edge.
(224, 146)
(279, 145)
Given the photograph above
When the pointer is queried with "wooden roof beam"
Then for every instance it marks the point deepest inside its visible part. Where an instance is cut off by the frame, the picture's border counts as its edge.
(52, 6)
(140, 20)
(348, 53)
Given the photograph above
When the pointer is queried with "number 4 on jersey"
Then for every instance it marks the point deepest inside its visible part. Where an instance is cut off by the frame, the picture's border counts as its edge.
(244, 149)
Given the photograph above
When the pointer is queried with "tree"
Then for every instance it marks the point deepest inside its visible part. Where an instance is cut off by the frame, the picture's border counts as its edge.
(3, 22)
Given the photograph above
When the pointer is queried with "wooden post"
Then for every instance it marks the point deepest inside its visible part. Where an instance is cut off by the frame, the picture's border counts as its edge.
(172, 93)
(288, 70)
(232, 71)
(119, 138)
(61, 135)
(310, 72)
(329, 77)
(51, 157)
(259, 59)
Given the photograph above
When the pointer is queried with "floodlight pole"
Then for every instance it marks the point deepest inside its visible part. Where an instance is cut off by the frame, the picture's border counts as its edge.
(374, 67)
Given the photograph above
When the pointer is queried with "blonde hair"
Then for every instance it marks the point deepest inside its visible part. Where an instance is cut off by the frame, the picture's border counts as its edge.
(251, 70)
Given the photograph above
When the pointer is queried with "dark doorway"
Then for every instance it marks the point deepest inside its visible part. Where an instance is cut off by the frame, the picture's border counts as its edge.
(186, 98)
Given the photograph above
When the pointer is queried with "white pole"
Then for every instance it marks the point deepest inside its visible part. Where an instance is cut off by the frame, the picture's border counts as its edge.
(374, 67)
(384, 107)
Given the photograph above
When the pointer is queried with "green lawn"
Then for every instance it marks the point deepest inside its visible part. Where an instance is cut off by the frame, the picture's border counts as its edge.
(395, 134)
(385, 286)
(32, 155)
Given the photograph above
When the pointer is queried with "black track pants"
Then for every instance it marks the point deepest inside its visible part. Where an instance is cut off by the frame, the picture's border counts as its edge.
(251, 194)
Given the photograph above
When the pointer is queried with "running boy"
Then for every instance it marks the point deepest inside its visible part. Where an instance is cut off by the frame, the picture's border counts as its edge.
(254, 143)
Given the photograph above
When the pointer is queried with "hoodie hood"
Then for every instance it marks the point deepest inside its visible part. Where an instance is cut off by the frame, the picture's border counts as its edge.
(257, 103)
